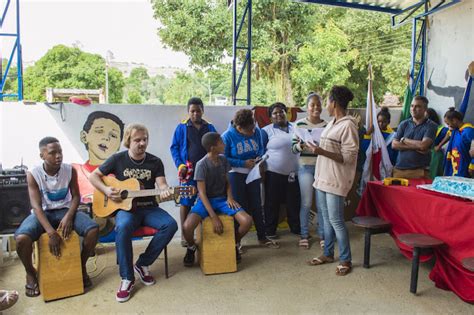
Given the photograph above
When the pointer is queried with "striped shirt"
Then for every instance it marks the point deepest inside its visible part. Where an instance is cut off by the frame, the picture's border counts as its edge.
(306, 158)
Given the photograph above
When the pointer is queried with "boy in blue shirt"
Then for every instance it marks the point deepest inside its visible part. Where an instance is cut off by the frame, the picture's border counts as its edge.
(215, 196)
(186, 150)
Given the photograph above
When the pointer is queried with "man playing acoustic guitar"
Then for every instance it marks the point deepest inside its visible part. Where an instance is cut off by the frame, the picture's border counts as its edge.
(148, 170)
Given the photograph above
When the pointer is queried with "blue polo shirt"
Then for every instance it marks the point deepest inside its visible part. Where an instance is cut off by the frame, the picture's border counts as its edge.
(195, 149)
(411, 159)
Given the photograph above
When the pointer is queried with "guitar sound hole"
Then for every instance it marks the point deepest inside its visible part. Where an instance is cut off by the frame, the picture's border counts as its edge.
(124, 194)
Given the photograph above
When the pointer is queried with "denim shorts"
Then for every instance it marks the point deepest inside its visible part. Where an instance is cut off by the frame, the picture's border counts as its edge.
(33, 228)
(219, 204)
(188, 201)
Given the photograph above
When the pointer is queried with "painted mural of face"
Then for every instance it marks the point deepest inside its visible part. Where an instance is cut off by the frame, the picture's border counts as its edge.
(102, 140)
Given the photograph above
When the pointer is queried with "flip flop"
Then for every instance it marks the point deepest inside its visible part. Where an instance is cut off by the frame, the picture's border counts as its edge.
(269, 243)
(32, 290)
(303, 243)
(7, 299)
(316, 261)
(343, 269)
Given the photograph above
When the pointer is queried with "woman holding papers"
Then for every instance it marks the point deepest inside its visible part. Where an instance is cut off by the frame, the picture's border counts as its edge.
(244, 150)
(334, 176)
(281, 178)
(311, 124)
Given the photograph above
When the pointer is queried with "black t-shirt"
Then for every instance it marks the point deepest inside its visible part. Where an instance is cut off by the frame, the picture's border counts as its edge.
(146, 171)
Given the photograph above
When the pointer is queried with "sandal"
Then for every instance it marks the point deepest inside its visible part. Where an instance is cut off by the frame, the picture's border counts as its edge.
(343, 268)
(304, 243)
(321, 243)
(316, 261)
(269, 243)
(32, 290)
(7, 299)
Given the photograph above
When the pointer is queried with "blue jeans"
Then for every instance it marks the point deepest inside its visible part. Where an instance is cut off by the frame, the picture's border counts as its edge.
(306, 180)
(332, 207)
(249, 197)
(126, 222)
(32, 227)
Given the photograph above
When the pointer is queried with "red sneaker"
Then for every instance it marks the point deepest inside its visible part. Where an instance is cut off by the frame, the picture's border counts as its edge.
(125, 290)
(144, 274)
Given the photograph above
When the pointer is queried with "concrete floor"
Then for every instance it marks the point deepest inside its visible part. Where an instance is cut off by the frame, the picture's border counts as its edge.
(268, 281)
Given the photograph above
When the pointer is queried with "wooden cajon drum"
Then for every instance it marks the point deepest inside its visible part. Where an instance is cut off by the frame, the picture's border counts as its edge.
(59, 277)
(217, 252)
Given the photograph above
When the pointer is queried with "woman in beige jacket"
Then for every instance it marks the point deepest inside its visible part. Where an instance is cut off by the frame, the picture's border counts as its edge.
(334, 176)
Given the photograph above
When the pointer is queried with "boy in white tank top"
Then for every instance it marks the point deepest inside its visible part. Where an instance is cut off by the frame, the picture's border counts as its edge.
(54, 197)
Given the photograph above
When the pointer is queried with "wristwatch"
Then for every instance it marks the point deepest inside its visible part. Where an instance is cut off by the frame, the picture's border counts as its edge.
(402, 140)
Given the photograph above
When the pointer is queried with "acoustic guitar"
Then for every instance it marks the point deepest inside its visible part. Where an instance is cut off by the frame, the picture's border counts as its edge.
(102, 206)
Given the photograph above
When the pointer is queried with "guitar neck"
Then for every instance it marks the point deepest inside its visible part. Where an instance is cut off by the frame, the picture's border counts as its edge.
(151, 192)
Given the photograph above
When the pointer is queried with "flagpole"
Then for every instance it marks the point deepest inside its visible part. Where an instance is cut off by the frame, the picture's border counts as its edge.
(371, 113)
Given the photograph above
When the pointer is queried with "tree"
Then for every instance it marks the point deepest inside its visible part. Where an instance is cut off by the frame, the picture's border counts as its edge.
(139, 74)
(375, 42)
(66, 67)
(323, 61)
(133, 90)
(184, 86)
(286, 44)
(202, 29)
(134, 97)
(11, 81)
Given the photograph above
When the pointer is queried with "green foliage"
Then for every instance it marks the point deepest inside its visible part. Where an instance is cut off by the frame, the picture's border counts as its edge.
(139, 74)
(296, 47)
(66, 67)
(134, 97)
(11, 82)
(185, 86)
(153, 89)
(199, 28)
(319, 69)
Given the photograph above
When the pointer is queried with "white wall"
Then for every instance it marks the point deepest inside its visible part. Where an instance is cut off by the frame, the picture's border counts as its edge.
(22, 126)
(450, 50)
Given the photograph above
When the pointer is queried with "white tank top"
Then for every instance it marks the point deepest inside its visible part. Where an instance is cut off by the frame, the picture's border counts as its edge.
(54, 190)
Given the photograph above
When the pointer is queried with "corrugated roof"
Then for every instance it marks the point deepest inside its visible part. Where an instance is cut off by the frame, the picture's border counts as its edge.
(388, 6)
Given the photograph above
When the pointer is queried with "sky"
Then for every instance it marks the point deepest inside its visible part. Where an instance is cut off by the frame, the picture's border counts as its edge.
(125, 27)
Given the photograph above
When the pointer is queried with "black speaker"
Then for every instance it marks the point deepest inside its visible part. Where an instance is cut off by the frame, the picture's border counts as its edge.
(14, 202)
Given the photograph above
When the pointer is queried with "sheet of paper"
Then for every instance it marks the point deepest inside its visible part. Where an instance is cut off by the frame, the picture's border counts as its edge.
(255, 171)
(309, 135)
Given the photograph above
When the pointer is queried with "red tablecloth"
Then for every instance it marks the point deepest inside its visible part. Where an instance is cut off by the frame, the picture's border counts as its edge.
(412, 210)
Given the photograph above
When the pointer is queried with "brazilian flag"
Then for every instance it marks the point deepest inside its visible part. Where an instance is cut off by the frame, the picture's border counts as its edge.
(406, 104)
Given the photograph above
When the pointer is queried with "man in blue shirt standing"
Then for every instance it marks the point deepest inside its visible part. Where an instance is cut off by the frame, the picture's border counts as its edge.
(414, 139)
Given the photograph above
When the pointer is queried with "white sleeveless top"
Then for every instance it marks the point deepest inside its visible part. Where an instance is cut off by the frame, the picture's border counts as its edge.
(54, 190)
